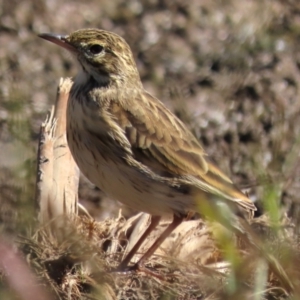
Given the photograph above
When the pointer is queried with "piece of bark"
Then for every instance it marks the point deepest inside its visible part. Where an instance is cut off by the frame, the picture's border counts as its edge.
(57, 172)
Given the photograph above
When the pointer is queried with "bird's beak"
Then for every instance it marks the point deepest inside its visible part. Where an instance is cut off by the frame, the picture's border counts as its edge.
(60, 40)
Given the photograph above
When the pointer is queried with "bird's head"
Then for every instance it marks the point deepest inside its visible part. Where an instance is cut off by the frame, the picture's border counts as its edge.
(102, 54)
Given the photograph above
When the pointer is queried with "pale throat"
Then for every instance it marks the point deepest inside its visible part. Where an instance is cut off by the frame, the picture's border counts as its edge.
(84, 82)
(84, 76)
(81, 78)
(89, 76)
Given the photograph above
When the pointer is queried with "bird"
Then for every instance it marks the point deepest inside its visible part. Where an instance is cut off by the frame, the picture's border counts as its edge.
(132, 147)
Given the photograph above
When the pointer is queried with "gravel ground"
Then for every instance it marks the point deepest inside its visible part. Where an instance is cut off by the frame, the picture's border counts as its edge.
(229, 69)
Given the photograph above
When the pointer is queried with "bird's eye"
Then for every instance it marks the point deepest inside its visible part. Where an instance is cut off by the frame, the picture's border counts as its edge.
(96, 49)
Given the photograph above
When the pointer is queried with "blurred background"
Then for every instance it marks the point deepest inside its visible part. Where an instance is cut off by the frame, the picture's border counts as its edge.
(229, 69)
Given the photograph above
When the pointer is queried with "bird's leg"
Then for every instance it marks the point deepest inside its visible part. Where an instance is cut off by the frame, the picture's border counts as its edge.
(153, 223)
(176, 221)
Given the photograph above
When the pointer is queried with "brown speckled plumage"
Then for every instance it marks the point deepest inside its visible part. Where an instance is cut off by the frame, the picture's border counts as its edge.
(129, 144)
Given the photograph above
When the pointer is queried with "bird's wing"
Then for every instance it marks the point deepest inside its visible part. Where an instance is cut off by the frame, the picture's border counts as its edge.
(163, 143)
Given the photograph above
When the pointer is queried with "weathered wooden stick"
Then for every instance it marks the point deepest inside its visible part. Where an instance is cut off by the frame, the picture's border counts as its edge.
(57, 172)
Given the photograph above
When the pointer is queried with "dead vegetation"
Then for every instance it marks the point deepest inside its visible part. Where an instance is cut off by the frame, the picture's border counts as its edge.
(189, 265)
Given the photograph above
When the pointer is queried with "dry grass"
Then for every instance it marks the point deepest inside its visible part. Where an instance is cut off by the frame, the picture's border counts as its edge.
(80, 264)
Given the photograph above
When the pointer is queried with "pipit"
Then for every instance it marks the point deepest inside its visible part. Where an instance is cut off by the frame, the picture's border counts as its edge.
(131, 146)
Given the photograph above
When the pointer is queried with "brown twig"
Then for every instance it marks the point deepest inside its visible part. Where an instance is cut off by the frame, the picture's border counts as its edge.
(58, 175)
